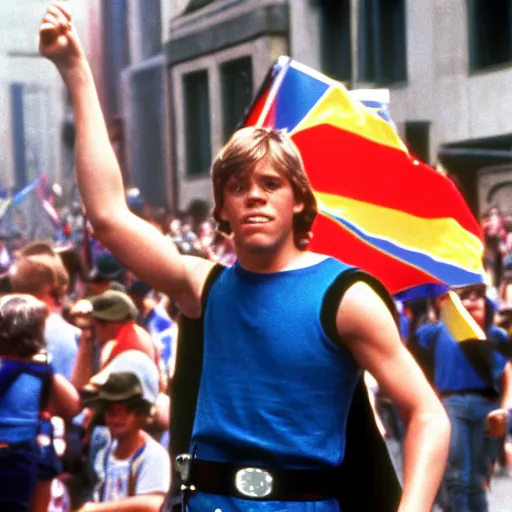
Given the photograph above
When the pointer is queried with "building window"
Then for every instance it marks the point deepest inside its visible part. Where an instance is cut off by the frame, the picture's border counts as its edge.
(382, 56)
(236, 76)
(490, 33)
(197, 123)
(336, 55)
(195, 5)
(417, 139)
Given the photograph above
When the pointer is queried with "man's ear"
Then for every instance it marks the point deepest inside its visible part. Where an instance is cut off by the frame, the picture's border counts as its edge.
(298, 207)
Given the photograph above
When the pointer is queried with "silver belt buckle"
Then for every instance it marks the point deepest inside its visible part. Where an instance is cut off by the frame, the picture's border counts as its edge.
(254, 482)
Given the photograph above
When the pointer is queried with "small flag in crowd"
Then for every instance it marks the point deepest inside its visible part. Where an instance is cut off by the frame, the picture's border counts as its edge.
(30, 213)
(380, 208)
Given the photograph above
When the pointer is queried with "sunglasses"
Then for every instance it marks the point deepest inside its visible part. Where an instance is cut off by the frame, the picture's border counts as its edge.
(471, 293)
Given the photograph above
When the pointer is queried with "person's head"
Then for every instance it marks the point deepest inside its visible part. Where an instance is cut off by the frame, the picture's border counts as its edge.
(41, 274)
(22, 321)
(127, 390)
(110, 311)
(473, 298)
(106, 269)
(138, 291)
(260, 171)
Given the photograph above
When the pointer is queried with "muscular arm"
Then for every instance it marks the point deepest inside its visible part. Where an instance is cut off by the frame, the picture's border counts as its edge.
(134, 242)
(368, 330)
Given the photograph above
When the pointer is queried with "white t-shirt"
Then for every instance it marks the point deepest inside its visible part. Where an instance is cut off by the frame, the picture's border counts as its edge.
(152, 469)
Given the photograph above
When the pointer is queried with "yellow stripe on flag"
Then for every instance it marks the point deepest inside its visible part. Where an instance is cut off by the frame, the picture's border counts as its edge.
(444, 238)
(460, 324)
(338, 109)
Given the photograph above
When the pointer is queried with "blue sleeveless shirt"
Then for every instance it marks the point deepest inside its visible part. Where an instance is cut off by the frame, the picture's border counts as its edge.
(275, 390)
(21, 385)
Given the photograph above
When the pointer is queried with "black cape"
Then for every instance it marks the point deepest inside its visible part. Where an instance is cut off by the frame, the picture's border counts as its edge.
(367, 478)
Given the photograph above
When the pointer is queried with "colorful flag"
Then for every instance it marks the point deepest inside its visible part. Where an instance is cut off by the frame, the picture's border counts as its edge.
(379, 208)
(30, 213)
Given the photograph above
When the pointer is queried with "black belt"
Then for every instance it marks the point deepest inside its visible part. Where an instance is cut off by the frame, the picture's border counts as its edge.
(270, 484)
(488, 393)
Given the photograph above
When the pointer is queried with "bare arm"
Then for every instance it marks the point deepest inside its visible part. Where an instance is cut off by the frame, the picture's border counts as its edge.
(84, 362)
(498, 420)
(64, 398)
(141, 503)
(506, 387)
(133, 241)
(369, 332)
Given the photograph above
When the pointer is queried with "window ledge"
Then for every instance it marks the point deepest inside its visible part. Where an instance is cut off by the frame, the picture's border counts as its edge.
(490, 69)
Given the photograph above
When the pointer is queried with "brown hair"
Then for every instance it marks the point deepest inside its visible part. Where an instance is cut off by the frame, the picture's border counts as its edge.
(32, 274)
(22, 321)
(244, 151)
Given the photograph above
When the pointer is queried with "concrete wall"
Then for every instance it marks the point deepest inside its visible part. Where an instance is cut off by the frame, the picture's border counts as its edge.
(440, 88)
(45, 98)
(263, 51)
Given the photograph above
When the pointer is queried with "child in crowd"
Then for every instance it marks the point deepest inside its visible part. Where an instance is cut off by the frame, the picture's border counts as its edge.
(133, 469)
(27, 386)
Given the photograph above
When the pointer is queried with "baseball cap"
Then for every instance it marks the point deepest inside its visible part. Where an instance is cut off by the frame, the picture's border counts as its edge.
(113, 306)
(132, 374)
(106, 268)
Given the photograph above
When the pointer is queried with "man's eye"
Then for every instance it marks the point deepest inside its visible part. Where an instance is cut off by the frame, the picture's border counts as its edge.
(237, 188)
(272, 185)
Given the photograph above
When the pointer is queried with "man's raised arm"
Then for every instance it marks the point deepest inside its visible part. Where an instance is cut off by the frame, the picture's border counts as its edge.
(134, 242)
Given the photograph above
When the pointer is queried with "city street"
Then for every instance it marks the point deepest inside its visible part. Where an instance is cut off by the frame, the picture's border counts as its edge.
(500, 495)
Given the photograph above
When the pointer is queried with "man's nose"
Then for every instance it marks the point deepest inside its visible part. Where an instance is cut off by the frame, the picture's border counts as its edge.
(255, 193)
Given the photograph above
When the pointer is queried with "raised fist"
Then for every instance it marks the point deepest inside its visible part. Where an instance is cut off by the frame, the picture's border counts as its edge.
(57, 38)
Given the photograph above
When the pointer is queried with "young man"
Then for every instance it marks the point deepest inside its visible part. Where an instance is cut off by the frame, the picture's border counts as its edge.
(133, 469)
(113, 315)
(475, 385)
(277, 379)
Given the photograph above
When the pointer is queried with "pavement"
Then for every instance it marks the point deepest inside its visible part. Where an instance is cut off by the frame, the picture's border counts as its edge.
(500, 495)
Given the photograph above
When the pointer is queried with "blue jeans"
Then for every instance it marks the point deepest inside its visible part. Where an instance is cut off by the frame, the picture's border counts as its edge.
(471, 451)
(18, 476)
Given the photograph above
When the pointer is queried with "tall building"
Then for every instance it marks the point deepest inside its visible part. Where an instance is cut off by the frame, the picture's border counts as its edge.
(36, 135)
(446, 63)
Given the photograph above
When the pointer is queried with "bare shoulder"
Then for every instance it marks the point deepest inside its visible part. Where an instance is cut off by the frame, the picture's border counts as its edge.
(361, 304)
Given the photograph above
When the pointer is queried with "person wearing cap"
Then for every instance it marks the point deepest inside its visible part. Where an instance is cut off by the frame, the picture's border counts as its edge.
(115, 315)
(115, 330)
(472, 379)
(106, 271)
(133, 470)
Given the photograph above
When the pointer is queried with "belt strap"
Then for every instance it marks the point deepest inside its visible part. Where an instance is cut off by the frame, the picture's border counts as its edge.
(288, 484)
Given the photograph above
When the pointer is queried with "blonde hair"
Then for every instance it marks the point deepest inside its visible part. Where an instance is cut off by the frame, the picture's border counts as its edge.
(244, 151)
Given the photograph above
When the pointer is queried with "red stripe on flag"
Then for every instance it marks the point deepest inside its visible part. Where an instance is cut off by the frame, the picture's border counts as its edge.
(330, 238)
(345, 164)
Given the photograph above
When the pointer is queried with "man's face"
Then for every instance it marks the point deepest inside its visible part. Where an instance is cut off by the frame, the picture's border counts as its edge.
(119, 419)
(473, 299)
(102, 330)
(259, 207)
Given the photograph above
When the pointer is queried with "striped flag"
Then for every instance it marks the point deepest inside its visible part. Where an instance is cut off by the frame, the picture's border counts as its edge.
(380, 208)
